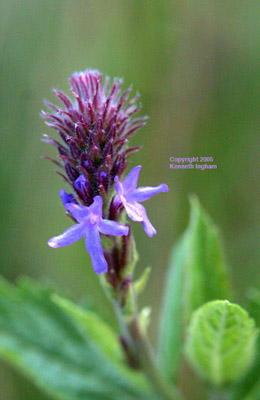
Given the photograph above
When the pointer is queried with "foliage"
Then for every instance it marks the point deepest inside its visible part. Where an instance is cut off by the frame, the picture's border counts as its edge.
(197, 274)
(221, 342)
(72, 354)
(66, 351)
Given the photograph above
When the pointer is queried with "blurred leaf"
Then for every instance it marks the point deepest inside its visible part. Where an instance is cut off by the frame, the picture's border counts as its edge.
(144, 318)
(197, 274)
(55, 347)
(95, 328)
(206, 276)
(171, 327)
(221, 342)
(141, 283)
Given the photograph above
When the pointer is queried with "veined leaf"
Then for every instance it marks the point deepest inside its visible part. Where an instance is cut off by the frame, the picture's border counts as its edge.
(52, 347)
(221, 342)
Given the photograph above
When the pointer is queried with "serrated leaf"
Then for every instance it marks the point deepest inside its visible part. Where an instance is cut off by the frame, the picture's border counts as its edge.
(51, 346)
(197, 274)
(221, 342)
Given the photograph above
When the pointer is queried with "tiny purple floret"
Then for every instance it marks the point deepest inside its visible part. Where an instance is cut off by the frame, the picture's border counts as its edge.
(67, 197)
(129, 195)
(90, 224)
(81, 183)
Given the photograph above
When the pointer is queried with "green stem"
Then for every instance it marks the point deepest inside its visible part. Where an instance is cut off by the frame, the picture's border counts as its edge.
(219, 394)
(141, 349)
(148, 363)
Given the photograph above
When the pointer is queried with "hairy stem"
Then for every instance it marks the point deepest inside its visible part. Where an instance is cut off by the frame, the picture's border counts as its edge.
(148, 363)
(142, 352)
(219, 394)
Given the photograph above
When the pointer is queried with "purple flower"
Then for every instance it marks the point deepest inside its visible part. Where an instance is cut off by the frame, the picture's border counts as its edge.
(81, 183)
(130, 196)
(90, 225)
(67, 197)
(94, 128)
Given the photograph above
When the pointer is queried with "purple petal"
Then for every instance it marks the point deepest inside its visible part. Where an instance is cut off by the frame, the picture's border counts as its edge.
(96, 206)
(81, 183)
(70, 236)
(146, 192)
(137, 212)
(134, 210)
(77, 211)
(108, 227)
(67, 197)
(148, 227)
(118, 187)
(130, 181)
(93, 245)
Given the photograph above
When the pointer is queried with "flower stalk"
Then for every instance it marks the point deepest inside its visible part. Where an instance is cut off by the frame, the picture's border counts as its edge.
(94, 129)
(138, 350)
(219, 394)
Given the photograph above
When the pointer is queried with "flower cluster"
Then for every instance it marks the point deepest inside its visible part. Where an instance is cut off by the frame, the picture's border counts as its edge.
(95, 129)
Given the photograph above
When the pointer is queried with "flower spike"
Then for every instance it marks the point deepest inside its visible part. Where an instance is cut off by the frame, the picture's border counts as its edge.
(94, 127)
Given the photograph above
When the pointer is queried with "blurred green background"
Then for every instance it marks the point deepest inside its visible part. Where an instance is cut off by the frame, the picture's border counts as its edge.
(196, 65)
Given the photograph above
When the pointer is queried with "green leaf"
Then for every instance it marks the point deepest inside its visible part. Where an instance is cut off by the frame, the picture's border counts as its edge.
(221, 342)
(206, 276)
(95, 328)
(197, 274)
(172, 324)
(62, 349)
(140, 283)
(144, 319)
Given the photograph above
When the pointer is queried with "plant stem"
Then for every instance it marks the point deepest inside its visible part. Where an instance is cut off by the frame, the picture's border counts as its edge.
(142, 352)
(219, 394)
(148, 363)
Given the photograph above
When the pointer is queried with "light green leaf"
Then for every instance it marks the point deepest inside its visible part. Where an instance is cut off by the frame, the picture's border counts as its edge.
(56, 348)
(144, 319)
(221, 342)
(206, 276)
(140, 284)
(172, 324)
(197, 274)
